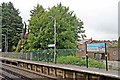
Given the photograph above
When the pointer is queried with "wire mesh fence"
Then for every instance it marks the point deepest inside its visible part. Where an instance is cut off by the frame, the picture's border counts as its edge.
(63, 56)
(48, 55)
(40, 55)
(16, 55)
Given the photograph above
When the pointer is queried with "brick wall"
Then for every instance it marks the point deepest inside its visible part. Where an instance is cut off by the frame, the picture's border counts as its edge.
(114, 54)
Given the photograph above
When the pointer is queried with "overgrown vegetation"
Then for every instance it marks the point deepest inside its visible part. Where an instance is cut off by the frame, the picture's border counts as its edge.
(79, 61)
(65, 56)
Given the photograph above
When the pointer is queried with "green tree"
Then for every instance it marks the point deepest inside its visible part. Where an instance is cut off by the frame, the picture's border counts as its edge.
(41, 26)
(36, 24)
(11, 25)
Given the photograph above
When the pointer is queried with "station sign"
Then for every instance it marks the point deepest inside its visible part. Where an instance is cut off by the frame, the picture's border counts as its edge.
(96, 47)
(51, 45)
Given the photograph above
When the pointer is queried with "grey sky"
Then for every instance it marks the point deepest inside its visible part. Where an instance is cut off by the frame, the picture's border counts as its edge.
(100, 17)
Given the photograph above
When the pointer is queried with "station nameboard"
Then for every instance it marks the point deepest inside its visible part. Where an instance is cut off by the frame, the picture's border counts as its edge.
(96, 47)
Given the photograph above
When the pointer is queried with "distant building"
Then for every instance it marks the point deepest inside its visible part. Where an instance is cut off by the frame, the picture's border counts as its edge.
(81, 45)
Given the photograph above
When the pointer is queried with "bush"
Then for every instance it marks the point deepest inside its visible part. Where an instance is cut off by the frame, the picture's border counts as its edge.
(79, 61)
(95, 63)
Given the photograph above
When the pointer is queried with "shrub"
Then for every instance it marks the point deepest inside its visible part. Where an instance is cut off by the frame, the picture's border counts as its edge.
(79, 61)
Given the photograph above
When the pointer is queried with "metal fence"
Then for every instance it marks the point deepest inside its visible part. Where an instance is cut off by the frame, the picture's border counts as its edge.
(40, 55)
(48, 55)
(65, 56)
(16, 55)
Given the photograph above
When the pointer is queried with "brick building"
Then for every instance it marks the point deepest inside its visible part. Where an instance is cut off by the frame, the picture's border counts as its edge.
(81, 45)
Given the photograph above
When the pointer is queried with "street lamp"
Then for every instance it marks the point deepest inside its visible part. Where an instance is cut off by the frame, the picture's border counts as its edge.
(5, 43)
(6, 38)
(54, 38)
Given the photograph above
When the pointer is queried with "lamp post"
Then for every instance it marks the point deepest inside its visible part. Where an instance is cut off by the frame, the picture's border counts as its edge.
(6, 38)
(5, 43)
(54, 38)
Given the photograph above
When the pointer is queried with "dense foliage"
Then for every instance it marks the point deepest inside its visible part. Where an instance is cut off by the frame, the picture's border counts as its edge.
(79, 61)
(41, 25)
(11, 25)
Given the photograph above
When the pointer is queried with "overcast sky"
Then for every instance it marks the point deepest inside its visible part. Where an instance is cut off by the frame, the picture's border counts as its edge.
(100, 17)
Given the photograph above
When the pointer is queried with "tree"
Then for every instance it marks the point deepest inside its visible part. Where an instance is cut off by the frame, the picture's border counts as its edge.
(41, 28)
(11, 25)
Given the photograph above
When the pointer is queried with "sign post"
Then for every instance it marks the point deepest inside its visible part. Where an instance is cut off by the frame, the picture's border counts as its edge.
(86, 56)
(106, 58)
(50, 46)
(96, 48)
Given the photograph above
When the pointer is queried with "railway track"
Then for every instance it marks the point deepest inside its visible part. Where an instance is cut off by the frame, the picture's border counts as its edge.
(11, 72)
(1, 77)
(7, 76)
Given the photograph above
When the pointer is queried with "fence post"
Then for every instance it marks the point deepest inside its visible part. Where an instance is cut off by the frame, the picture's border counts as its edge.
(31, 54)
(18, 55)
(26, 55)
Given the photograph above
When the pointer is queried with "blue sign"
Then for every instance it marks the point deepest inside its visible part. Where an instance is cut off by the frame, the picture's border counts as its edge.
(96, 47)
